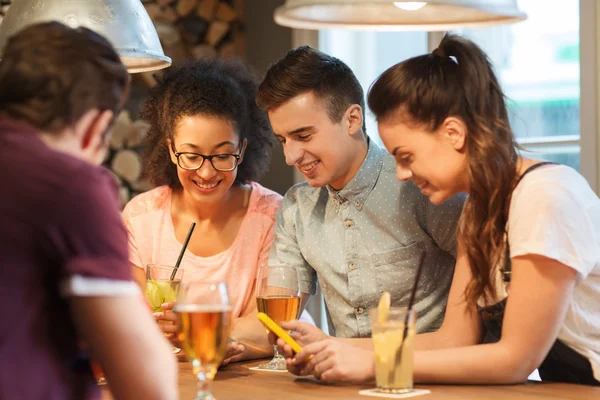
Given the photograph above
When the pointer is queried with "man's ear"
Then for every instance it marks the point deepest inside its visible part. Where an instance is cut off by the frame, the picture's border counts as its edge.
(243, 151)
(91, 128)
(454, 131)
(354, 118)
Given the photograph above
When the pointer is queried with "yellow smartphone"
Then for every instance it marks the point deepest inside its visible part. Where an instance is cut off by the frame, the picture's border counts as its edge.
(276, 329)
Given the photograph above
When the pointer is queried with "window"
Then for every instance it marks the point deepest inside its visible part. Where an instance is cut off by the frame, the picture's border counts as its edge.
(370, 53)
(537, 62)
(546, 64)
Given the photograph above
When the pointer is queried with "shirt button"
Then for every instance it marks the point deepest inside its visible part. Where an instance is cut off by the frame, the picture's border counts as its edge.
(360, 310)
(352, 266)
(348, 223)
(357, 203)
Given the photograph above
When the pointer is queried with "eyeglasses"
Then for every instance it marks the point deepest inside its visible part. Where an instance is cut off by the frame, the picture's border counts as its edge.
(194, 161)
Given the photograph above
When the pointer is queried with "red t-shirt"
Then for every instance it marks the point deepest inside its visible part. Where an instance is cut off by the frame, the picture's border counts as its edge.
(60, 236)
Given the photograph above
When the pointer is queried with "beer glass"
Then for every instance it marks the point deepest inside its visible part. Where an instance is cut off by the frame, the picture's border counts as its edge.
(278, 296)
(203, 324)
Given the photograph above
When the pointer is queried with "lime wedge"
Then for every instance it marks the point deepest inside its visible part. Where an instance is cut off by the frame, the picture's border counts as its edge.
(154, 294)
(169, 290)
(383, 309)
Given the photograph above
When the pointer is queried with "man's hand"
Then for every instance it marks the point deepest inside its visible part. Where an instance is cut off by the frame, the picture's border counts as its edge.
(302, 332)
(331, 360)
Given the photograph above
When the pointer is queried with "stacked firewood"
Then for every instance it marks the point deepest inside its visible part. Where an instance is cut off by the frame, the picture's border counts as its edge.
(191, 29)
(123, 160)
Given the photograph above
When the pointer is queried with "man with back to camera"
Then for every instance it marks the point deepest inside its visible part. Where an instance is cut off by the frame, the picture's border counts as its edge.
(65, 270)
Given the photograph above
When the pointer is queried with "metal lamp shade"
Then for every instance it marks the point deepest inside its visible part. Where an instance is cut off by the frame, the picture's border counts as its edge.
(432, 15)
(125, 23)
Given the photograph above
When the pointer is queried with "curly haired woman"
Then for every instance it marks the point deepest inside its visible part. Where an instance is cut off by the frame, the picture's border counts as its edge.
(208, 144)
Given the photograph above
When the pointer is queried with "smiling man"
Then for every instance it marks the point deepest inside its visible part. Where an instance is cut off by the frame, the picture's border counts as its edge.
(353, 227)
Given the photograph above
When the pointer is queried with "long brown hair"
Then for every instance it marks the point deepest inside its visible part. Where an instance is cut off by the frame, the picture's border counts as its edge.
(458, 80)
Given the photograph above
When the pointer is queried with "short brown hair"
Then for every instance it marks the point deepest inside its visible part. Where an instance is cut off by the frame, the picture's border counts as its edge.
(305, 69)
(51, 75)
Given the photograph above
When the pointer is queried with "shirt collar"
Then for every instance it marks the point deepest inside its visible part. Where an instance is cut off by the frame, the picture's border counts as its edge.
(359, 188)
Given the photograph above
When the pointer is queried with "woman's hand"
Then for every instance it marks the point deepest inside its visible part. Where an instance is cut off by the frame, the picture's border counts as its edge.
(234, 353)
(167, 322)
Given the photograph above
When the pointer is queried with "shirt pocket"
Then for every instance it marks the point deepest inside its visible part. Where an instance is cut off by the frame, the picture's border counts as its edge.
(396, 270)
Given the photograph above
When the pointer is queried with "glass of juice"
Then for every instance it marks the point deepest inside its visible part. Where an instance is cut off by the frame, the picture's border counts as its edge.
(160, 288)
(393, 338)
(204, 321)
(278, 296)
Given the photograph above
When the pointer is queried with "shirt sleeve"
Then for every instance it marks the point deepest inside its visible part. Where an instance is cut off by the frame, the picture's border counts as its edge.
(285, 249)
(548, 219)
(134, 254)
(441, 221)
(89, 239)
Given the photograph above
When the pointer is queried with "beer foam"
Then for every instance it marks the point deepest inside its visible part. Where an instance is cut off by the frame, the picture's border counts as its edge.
(202, 308)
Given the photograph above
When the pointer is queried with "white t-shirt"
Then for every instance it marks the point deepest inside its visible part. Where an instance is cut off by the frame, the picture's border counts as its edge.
(555, 213)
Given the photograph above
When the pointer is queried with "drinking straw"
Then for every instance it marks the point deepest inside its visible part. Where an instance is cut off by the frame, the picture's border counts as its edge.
(408, 312)
(187, 240)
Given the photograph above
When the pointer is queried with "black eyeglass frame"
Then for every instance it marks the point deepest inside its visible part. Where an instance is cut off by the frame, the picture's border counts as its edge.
(204, 158)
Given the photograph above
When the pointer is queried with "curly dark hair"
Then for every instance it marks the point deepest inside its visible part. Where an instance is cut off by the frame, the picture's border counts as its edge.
(210, 87)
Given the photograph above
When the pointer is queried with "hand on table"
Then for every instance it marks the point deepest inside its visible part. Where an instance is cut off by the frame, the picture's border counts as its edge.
(331, 360)
(234, 352)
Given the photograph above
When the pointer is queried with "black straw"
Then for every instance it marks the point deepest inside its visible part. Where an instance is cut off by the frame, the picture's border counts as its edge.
(185, 244)
(414, 288)
(408, 311)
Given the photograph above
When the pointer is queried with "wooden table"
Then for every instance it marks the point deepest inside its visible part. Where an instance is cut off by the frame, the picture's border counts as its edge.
(236, 381)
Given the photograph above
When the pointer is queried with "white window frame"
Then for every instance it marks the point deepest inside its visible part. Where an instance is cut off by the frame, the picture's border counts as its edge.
(589, 51)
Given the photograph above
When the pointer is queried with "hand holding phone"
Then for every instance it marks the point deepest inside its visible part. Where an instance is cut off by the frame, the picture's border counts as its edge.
(276, 329)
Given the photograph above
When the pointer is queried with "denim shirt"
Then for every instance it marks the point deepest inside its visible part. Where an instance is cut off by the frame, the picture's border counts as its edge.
(366, 239)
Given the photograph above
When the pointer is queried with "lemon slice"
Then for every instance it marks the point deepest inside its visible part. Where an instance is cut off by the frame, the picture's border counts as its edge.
(383, 309)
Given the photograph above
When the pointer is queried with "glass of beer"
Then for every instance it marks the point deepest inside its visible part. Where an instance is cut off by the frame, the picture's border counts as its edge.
(203, 324)
(160, 288)
(278, 296)
(393, 354)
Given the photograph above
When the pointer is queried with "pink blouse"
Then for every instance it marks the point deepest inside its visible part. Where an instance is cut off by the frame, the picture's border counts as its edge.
(152, 240)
